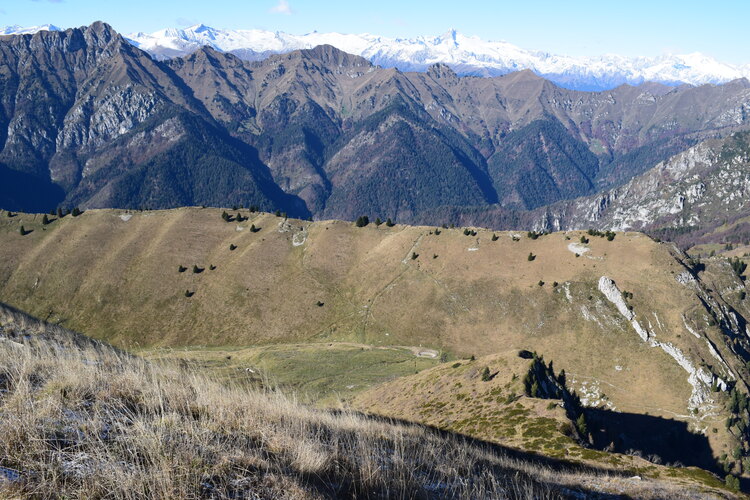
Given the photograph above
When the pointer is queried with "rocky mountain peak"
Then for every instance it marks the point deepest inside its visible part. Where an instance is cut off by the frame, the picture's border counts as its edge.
(441, 71)
(330, 55)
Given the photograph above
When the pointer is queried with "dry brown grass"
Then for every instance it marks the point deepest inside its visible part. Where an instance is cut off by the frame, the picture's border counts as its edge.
(83, 420)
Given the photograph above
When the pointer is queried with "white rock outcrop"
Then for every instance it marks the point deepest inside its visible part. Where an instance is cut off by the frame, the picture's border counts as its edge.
(700, 379)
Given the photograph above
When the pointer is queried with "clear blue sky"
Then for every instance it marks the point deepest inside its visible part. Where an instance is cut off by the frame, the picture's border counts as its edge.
(586, 27)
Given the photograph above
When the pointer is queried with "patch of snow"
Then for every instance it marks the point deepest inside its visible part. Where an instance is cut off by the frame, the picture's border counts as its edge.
(125, 217)
(466, 54)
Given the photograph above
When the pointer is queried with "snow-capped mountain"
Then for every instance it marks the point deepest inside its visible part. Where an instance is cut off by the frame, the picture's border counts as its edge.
(20, 30)
(467, 55)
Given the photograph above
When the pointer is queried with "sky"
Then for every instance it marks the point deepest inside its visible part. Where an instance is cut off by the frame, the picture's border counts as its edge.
(577, 28)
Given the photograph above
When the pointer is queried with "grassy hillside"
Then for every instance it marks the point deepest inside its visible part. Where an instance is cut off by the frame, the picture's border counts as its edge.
(83, 420)
(462, 291)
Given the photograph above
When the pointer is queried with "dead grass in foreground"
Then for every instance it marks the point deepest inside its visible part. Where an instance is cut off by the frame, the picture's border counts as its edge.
(79, 419)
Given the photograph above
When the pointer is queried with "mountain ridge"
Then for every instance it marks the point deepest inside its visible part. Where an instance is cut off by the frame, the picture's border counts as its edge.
(467, 55)
(323, 133)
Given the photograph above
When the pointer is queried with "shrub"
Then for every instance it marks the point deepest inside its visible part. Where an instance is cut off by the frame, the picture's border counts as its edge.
(738, 266)
(455, 365)
(531, 257)
(389, 222)
(443, 357)
(533, 235)
(534, 391)
(225, 216)
(584, 240)
(486, 374)
(320, 304)
(211, 267)
(362, 221)
(541, 283)
(181, 269)
(554, 284)
(437, 232)
(732, 482)
(581, 426)
(232, 246)
(467, 232)
(414, 255)
(189, 294)
(277, 213)
(76, 212)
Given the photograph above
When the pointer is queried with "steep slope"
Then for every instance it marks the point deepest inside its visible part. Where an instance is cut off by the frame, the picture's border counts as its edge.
(625, 317)
(89, 119)
(82, 419)
(307, 101)
(80, 98)
(540, 164)
(685, 197)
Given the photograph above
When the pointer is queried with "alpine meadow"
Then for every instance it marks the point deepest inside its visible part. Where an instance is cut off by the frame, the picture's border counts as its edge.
(266, 261)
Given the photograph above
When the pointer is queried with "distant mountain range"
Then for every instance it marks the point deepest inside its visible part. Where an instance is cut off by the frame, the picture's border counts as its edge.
(87, 119)
(466, 55)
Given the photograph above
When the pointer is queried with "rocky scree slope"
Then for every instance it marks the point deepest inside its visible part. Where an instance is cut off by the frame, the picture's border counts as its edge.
(87, 119)
(637, 325)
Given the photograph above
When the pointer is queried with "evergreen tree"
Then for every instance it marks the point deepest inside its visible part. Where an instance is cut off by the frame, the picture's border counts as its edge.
(22, 231)
(45, 220)
(486, 374)
(389, 222)
(60, 212)
(362, 221)
(76, 212)
(378, 221)
(225, 216)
